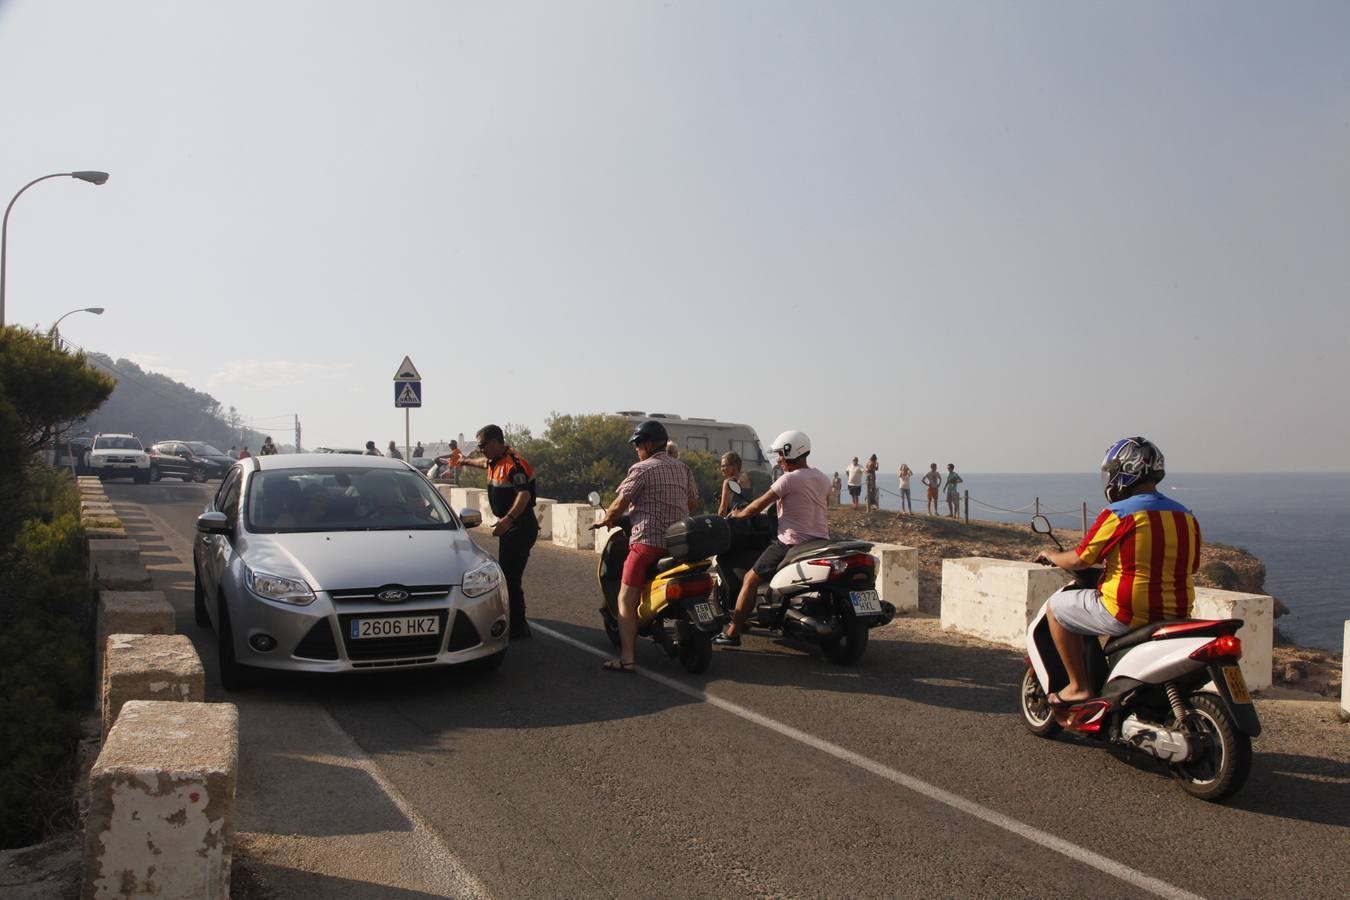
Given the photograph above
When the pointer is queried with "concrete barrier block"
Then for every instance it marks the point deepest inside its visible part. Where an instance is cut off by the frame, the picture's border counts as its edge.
(121, 552)
(571, 525)
(103, 531)
(485, 509)
(162, 803)
(131, 612)
(88, 479)
(1257, 612)
(995, 599)
(543, 511)
(149, 667)
(1345, 676)
(122, 577)
(465, 497)
(898, 575)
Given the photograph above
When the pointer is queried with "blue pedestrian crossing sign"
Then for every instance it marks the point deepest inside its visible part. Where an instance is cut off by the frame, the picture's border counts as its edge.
(407, 394)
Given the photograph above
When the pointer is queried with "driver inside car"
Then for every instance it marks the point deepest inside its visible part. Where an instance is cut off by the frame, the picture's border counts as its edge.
(1149, 547)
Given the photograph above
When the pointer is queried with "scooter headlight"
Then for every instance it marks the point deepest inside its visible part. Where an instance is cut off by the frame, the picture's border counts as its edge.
(481, 579)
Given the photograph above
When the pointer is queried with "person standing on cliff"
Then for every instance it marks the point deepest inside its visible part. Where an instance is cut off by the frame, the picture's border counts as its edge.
(836, 489)
(953, 492)
(854, 474)
(932, 479)
(906, 503)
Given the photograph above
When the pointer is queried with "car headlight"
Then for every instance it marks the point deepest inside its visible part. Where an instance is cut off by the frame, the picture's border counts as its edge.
(481, 579)
(274, 587)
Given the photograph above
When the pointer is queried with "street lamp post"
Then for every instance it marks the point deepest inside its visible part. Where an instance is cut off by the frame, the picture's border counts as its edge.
(55, 335)
(91, 177)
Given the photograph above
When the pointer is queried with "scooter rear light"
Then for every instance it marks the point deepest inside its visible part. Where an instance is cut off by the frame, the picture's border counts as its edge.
(689, 588)
(1182, 628)
(839, 565)
(1225, 646)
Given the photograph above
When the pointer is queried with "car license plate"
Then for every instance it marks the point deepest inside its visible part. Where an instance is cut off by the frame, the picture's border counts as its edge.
(402, 626)
(1237, 685)
(865, 603)
(703, 612)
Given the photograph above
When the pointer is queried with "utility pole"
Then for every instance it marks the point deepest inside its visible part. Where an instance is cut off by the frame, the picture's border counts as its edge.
(298, 449)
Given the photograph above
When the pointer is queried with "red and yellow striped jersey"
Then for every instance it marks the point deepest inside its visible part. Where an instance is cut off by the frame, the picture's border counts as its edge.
(1150, 548)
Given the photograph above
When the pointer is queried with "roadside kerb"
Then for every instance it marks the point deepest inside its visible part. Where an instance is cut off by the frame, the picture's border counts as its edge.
(898, 575)
(162, 803)
(148, 667)
(995, 599)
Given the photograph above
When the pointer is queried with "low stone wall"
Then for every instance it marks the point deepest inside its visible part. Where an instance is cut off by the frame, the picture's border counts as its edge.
(898, 575)
(161, 809)
(148, 667)
(995, 599)
(1257, 612)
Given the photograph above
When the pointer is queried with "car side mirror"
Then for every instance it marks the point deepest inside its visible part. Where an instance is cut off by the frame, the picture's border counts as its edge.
(471, 518)
(213, 523)
(184, 454)
(593, 499)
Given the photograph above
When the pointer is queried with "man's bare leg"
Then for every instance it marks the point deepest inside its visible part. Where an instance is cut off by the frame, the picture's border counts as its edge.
(1070, 646)
(745, 603)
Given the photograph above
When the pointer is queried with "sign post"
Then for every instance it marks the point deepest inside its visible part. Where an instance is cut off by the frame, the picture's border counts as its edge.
(407, 394)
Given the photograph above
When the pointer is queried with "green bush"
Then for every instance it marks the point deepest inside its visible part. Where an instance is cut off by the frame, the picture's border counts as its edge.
(46, 642)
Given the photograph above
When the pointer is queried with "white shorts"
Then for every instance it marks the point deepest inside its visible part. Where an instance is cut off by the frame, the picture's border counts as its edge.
(1081, 611)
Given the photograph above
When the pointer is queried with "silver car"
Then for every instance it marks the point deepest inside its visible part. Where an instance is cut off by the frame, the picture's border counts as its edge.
(327, 563)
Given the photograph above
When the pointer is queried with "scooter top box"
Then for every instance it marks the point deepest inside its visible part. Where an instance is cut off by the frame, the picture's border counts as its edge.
(698, 537)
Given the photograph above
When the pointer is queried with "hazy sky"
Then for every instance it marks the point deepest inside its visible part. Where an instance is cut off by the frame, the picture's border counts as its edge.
(1001, 234)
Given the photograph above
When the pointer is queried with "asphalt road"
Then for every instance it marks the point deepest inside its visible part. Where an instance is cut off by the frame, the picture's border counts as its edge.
(775, 773)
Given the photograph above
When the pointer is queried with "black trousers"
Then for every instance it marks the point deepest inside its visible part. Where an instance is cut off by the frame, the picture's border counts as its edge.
(513, 552)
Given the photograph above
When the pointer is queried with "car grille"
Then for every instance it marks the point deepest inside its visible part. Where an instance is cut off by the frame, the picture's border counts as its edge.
(393, 647)
(462, 634)
(319, 643)
(119, 459)
(421, 592)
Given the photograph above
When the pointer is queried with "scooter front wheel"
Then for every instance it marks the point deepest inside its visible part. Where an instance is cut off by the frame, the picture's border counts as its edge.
(611, 626)
(1036, 712)
(1223, 759)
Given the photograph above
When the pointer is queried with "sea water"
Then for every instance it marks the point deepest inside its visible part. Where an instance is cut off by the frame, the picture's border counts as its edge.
(1297, 524)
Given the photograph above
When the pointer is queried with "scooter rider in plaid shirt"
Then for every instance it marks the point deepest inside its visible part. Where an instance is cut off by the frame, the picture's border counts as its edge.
(660, 491)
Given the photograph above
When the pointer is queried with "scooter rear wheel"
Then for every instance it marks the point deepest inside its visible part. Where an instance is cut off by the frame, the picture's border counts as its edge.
(695, 648)
(849, 648)
(1226, 761)
(611, 626)
(1036, 712)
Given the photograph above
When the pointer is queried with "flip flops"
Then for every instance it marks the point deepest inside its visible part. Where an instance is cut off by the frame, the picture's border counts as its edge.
(618, 665)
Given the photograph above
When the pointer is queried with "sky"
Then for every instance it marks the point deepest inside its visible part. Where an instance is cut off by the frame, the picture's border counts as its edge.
(999, 234)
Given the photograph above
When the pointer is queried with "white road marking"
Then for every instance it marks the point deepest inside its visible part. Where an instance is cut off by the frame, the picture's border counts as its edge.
(1066, 848)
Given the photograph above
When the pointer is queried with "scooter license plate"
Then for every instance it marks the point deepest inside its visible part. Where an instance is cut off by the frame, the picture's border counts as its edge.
(1237, 685)
(865, 603)
(703, 612)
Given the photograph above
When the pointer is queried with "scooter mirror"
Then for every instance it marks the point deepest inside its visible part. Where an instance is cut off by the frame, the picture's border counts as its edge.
(593, 498)
(735, 487)
(1040, 524)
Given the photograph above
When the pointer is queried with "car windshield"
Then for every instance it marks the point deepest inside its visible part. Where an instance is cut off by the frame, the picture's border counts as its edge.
(201, 449)
(117, 443)
(339, 499)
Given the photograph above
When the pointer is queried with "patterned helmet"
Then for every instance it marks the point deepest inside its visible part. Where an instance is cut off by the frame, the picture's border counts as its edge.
(1127, 462)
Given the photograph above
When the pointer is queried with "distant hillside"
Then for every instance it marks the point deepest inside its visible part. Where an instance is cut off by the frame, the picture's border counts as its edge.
(155, 408)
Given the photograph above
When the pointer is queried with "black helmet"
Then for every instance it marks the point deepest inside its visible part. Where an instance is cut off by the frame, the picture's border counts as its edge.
(1128, 462)
(651, 431)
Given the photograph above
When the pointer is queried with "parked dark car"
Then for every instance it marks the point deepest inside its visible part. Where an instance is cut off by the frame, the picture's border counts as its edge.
(188, 460)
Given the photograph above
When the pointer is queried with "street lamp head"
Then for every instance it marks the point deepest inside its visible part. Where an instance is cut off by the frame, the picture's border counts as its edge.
(96, 310)
(91, 177)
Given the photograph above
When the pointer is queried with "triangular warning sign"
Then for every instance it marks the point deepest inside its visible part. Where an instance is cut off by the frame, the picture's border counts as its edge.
(407, 371)
(408, 395)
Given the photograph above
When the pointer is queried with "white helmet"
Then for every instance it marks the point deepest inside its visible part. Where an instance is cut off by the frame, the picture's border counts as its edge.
(792, 444)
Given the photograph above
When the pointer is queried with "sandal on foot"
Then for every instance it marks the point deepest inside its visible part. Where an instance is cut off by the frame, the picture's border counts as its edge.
(1058, 702)
(618, 665)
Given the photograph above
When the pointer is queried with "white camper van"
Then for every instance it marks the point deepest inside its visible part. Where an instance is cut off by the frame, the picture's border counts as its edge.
(710, 436)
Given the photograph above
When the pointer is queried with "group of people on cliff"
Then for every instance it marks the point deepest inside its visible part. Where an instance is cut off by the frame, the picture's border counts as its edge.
(859, 476)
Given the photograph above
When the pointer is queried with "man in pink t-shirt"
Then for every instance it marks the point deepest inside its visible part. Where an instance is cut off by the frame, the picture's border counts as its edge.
(801, 494)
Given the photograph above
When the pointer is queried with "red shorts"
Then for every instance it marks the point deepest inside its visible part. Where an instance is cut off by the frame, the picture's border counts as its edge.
(640, 559)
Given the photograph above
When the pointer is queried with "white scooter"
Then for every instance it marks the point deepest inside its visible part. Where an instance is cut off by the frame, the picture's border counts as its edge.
(1172, 690)
(824, 591)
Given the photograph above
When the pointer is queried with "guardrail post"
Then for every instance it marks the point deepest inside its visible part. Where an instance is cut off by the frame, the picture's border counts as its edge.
(967, 507)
